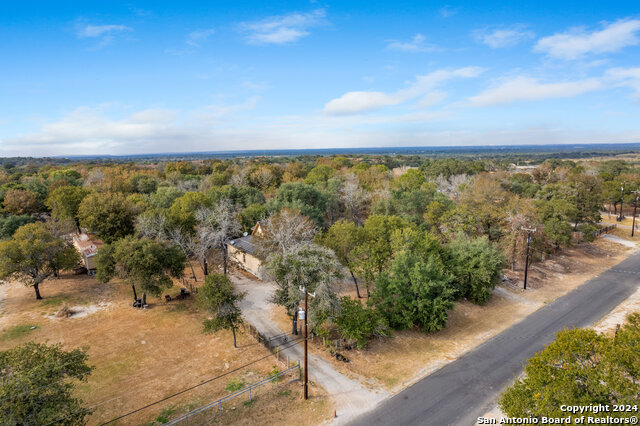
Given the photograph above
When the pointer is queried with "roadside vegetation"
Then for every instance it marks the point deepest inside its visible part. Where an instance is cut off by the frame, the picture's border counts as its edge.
(580, 368)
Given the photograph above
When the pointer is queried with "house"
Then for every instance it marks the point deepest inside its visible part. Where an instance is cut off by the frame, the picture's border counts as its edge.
(242, 252)
(88, 249)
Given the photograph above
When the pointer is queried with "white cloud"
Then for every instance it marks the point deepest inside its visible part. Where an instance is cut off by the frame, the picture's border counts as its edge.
(624, 77)
(196, 37)
(523, 88)
(448, 11)
(416, 44)
(89, 131)
(578, 42)
(503, 37)
(283, 28)
(358, 102)
(100, 30)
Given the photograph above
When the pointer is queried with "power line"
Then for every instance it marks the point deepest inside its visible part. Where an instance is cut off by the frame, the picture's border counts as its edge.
(289, 344)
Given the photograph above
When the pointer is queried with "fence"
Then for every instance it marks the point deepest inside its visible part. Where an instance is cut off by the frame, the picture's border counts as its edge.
(248, 389)
(605, 230)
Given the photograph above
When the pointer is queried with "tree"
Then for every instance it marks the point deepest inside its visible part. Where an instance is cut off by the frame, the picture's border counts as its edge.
(183, 210)
(343, 237)
(64, 202)
(19, 202)
(108, 215)
(251, 215)
(358, 323)
(308, 266)
(215, 226)
(9, 224)
(34, 254)
(282, 232)
(477, 267)
(414, 292)
(164, 197)
(36, 385)
(354, 200)
(580, 367)
(319, 175)
(374, 252)
(219, 299)
(142, 262)
(299, 196)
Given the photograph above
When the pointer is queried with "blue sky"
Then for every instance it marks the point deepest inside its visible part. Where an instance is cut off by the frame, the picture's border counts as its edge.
(91, 77)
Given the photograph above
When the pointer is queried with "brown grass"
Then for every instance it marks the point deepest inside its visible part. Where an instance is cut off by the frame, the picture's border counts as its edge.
(141, 356)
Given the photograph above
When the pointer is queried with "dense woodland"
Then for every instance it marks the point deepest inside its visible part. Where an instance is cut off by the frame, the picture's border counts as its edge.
(413, 234)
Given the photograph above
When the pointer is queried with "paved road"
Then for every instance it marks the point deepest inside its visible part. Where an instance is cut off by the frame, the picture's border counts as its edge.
(461, 391)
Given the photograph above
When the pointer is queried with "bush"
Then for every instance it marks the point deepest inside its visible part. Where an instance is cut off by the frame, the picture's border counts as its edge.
(358, 323)
(588, 231)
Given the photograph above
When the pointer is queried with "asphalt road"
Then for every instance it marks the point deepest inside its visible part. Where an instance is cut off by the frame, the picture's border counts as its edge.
(459, 392)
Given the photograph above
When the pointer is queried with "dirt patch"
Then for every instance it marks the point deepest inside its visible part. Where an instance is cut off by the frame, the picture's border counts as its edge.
(78, 311)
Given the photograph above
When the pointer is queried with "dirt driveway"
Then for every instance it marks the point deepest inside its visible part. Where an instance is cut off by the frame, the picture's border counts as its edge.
(349, 395)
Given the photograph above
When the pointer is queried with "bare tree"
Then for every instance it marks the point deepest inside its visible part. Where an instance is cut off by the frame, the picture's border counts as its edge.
(451, 186)
(239, 177)
(215, 226)
(283, 232)
(354, 199)
(154, 225)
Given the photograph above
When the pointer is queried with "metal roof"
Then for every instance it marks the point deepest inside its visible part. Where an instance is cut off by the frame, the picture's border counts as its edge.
(245, 244)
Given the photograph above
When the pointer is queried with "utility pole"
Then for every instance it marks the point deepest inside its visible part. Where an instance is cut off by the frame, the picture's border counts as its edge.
(621, 201)
(306, 343)
(526, 260)
(635, 207)
(305, 316)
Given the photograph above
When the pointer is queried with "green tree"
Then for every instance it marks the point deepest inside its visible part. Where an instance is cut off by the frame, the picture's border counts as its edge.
(148, 264)
(358, 323)
(9, 224)
(319, 175)
(183, 209)
(251, 215)
(374, 252)
(580, 367)
(343, 237)
(34, 254)
(308, 266)
(36, 385)
(307, 199)
(414, 292)
(219, 299)
(164, 197)
(477, 267)
(64, 202)
(108, 215)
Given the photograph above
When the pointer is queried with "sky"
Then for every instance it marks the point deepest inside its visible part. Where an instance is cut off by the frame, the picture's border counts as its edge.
(94, 77)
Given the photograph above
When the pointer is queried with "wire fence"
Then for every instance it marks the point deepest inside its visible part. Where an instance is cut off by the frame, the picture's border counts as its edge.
(198, 413)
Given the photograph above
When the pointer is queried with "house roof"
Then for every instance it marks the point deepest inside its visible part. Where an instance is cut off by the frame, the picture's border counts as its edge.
(245, 244)
(86, 245)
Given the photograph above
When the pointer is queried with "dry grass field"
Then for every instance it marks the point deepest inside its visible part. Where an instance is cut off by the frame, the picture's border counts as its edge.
(141, 356)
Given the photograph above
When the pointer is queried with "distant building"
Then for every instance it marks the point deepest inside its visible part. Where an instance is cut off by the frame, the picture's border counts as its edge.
(88, 249)
(242, 252)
